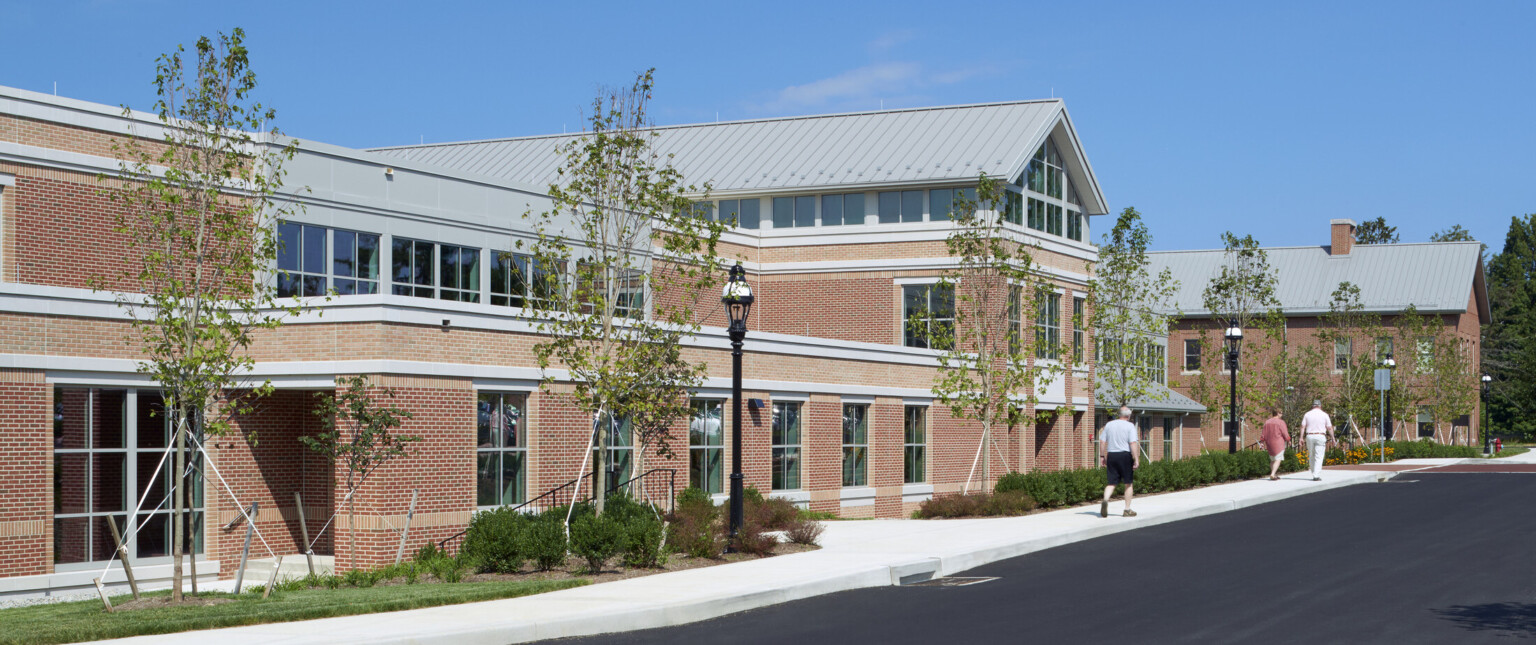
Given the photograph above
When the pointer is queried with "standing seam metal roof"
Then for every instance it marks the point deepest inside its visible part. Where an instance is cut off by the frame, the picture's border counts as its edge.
(951, 143)
(1434, 276)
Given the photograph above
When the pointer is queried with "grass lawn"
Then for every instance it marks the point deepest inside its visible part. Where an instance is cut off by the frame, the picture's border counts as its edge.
(83, 621)
(1510, 451)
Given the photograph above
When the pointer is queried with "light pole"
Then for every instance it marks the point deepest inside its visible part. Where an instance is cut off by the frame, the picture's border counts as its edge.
(737, 296)
(1384, 380)
(1482, 416)
(1234, 340)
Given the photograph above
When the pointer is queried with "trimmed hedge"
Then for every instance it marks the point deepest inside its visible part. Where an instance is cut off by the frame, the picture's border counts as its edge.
(1073, 487)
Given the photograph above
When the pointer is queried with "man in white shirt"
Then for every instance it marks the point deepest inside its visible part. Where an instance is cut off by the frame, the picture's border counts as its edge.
(1117, 451)
(1317, 431)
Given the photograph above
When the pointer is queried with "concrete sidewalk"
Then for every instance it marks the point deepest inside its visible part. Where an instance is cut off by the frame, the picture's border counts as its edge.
(855, 555)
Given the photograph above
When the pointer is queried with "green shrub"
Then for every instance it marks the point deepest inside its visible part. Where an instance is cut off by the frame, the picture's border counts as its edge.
(1008, 502)
(596, 538)
(448, 569)
(752, 539)
(695, 498)
(772, 514)
(694, 530)
(544, 541)
(750, 495)
(493, 541)
(429, 552)
(1078, 486)
(643, 542)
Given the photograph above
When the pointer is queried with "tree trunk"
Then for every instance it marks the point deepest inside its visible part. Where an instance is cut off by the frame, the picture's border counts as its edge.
(986, 455)
(600, 462)
(176, 503)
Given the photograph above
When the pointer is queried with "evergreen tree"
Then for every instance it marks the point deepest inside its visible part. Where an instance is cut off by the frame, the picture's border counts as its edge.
(1509, 347)
(1375, 231)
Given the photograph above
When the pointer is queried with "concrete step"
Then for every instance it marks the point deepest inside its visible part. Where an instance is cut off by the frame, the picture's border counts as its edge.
(259, 570)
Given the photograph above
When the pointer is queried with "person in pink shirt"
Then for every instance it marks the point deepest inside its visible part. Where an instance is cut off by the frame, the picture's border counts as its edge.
(1275, 437)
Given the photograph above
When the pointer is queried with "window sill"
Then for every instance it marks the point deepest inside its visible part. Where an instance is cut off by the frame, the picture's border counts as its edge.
(857, 496)
(796, 497)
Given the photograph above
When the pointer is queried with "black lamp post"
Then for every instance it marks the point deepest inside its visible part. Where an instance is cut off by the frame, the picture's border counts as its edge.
(1234, 340)
(1482, 416)
(737, 296)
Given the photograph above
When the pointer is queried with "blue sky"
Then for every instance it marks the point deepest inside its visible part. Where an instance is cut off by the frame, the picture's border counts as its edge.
(1262, 118)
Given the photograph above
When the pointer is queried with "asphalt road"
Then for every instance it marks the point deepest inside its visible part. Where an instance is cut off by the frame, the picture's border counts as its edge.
(1425, 558)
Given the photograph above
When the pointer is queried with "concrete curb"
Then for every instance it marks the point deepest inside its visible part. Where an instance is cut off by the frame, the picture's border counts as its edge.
(927, 550)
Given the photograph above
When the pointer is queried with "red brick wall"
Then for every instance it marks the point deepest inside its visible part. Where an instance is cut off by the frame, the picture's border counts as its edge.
(26, 474)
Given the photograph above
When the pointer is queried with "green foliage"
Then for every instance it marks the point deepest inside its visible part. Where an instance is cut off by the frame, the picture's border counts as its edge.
(999, 504)
(447, 569)
(1375, 231)
(694, 528)
(620, 206)
(1453, 234)
(1072, 487)
(492, 541)
(1130, 307)
(1509, 347)
(429, 552)
(694, 497)
(1243, 290)
(596, 539)
(643, 541)
(544, 541)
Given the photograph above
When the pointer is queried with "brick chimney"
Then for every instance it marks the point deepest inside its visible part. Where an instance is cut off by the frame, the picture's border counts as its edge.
(1343, 236)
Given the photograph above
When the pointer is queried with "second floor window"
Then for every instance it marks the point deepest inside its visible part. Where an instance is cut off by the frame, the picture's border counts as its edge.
(1342, 349)
(837, 210)
(460, 275)
(794, 211)
(1048, 326)
(744, 213)
(901, 206)
(304, 256)
(1191, 354)
(519, 280)
(412, 263)
(928, 315)
(1079, 315)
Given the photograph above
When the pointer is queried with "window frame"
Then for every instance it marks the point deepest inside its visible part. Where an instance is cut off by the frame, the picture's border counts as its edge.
(698, 427)
(909, 318)
(914, 453)
(1197, 345)
(786, 454)
(1048, 325)
(415, 285)
(1343, 353)
(499, 402)
(462, 272)
(1079, 318)
(855, 445)
(738, 208)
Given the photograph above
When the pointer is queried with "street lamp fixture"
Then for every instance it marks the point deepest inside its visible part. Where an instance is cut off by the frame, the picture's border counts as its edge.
(737, 297)
(1234, 337)
(1482, 417)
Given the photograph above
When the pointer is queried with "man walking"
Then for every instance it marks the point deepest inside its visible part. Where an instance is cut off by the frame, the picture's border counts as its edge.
(1317, 429)
(1117, 451)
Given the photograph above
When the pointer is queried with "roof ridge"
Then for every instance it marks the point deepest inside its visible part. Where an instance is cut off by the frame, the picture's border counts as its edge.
(680, 126)
(1321, 246)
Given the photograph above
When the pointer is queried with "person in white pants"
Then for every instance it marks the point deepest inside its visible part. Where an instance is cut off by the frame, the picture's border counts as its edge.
(1317, 430)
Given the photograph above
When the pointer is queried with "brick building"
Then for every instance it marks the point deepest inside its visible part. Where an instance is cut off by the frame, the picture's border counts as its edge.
(841, 229)
(1441, 282)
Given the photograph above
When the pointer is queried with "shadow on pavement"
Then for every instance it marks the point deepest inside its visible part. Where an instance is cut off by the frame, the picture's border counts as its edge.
(1518, 619)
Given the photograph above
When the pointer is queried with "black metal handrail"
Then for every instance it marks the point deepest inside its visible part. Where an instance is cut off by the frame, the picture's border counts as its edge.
(562, 494)
(646, 495)
(539, 504)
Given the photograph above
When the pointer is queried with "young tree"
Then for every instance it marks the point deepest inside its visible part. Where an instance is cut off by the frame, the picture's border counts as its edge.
(646, 268)
(1376, 231)
(360, 435)
(1348, 337)
(990, 368)
(198, 214)
(1129, 306)
(1243, 290)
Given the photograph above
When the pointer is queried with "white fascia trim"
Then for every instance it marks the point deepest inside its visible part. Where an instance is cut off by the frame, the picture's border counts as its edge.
(896, 264)
(63, 159)
(934, 279)
(777, 396)
(858, 399)
(917, 401)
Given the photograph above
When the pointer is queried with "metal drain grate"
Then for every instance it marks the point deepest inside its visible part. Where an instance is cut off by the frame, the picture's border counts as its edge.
(954, 581)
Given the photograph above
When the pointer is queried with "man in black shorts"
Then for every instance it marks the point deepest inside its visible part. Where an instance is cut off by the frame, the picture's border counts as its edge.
(1117, 451)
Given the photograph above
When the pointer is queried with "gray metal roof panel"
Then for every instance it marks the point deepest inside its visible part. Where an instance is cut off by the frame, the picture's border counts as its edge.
(953, 143)
(1159, 398)
(1433, 276)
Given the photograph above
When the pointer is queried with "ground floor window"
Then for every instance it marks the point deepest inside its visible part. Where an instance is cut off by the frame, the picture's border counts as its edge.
(855, 444)
(786, 446)
(107, 444)
(915, 445)
(1168, 438)
(706, 446)
(501, 475)
(1426, 421)
(1145, 427)
(619, 465)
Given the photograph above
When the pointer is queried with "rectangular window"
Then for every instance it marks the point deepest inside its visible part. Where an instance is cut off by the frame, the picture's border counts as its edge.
(901, 206)
(460, 273)
(1053, 219)
(626, 291)
(928, 316)
(1013, 208)
(855, 444)
(1015, 318)
(617, 468)
(1048, 326)
(743, 213)
(786, 446)
(354, 262)
(518, 280)
(1191, 354)
(706, 446)
(805, 211)
(1074, 226)
(1383, 347)
(831, 210)
(1036, 219)
(1426, 422)
(300, 260)
(1424, 354)
(1343, 348)
(1168, 453)
(915, 445)
(107, 447)
(501, 454)
(1079, 318)
(940, 202)
(412, 263)
(794, 211)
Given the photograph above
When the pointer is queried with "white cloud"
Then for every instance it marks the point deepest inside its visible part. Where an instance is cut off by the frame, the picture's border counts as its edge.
(864, 87)
(890, 40)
